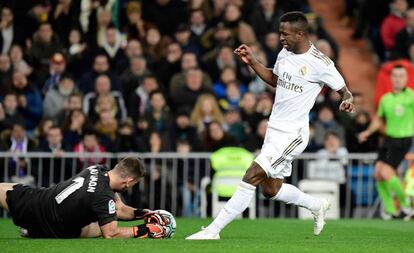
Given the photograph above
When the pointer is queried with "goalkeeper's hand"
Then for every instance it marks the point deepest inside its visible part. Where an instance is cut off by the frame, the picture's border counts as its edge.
(150, 230)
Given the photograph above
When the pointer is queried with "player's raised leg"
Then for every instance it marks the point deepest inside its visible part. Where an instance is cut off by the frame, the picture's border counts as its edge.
(236, 204)
(275, 189)
(4, 187)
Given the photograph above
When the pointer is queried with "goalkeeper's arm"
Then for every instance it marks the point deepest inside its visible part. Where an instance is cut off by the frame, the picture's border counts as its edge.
(125, 212)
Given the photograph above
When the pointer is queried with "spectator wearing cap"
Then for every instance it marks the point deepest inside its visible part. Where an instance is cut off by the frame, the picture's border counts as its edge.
(56, 70)
(9, 33)
(187, 42)
(100, 67)
(45, 44)
(181, 129)
(29, 100)
(187, 95)
(56, 98)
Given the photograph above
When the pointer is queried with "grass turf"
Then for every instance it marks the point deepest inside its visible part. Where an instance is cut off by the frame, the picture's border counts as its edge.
(263, 235)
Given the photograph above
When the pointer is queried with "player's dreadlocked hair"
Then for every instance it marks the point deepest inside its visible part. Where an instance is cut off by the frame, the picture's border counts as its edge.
(296, 18)
(132, 167)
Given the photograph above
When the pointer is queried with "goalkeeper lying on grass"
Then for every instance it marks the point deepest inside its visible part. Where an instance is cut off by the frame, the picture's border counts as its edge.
(86, 205)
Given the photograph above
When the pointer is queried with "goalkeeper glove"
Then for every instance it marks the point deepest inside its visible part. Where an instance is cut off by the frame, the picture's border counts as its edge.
(151, 230)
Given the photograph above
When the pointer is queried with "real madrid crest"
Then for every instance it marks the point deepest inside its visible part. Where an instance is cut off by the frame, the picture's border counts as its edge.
(303, 70)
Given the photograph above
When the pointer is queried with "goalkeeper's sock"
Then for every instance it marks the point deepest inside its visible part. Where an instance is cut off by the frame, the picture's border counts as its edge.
(234, 207)
(290, 194)
(385, 195)
(394, 184)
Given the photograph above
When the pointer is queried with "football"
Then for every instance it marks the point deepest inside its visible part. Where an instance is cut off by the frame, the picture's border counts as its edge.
(168, 221)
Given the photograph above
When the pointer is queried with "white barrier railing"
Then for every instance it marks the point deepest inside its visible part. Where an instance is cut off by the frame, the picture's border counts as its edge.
(173, 180)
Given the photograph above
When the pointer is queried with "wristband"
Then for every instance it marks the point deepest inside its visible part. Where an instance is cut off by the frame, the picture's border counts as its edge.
(139, 213)
(140, 231)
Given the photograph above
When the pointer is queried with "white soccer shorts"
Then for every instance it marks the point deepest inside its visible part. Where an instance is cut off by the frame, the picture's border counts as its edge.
(279, 149)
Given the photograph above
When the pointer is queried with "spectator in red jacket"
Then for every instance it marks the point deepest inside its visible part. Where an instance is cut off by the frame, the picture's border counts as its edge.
(393, 23)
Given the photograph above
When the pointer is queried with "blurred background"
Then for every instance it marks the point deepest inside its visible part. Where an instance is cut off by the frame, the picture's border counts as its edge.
(87, 82)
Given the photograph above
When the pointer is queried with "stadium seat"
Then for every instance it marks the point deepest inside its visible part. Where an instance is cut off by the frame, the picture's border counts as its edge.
(322, 189)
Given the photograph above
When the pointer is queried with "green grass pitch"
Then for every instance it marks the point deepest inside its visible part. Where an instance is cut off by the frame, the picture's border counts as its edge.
(252, 236)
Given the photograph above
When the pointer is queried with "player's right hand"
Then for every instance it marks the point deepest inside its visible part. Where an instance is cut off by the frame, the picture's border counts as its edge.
(363, 136)
(245, 53)
(156, 231)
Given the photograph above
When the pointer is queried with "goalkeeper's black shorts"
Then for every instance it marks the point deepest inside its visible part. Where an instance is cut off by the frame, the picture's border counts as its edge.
(23, 202)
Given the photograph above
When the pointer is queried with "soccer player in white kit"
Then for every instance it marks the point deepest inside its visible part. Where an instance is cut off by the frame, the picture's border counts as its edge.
(298, 75)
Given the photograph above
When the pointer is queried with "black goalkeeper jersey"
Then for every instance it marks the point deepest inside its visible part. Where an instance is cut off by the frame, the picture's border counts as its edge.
(64, 209)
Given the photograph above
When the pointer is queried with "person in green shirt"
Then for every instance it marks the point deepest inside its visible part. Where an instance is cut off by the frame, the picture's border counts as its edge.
(396, 111)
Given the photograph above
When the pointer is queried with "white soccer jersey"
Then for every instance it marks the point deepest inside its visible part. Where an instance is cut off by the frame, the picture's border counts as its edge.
(300, 79)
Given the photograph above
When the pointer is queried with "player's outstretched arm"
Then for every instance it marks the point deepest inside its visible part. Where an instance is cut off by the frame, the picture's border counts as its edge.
(246, 55)
(347, 104)
(126, 213)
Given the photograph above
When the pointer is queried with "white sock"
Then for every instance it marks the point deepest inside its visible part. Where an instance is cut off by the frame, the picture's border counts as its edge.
(290, 194)
(235, 206)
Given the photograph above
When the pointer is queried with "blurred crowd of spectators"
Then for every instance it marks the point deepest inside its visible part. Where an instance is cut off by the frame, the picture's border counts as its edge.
(390, 28)
(150, 76)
